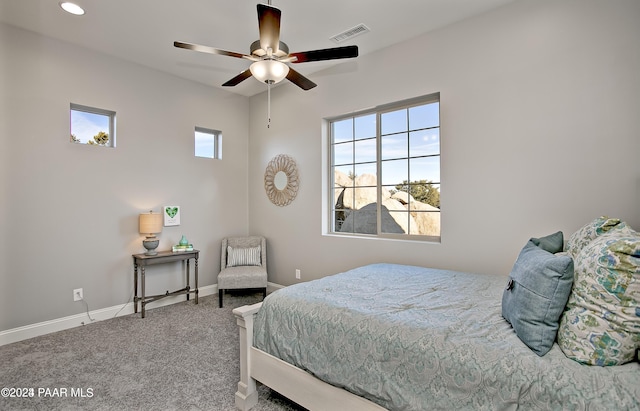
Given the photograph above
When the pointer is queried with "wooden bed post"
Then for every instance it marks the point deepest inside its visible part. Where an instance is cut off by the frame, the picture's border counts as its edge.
(247, 395)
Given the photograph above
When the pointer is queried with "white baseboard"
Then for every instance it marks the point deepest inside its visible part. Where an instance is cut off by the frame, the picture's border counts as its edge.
(59, 324)
(77, 320)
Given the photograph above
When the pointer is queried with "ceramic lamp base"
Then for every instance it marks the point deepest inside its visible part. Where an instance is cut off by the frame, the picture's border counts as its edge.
(151, 243)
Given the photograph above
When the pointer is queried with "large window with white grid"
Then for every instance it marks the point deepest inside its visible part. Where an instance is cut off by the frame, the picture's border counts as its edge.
(385, 171)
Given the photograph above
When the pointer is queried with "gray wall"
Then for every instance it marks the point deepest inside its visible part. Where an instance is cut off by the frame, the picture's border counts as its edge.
(69, 213)
(540, 132)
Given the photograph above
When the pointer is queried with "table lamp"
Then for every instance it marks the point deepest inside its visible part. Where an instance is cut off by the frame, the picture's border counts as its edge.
(149, 225)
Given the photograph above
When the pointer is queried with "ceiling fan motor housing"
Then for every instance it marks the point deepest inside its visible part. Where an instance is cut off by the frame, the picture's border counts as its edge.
(256, 50)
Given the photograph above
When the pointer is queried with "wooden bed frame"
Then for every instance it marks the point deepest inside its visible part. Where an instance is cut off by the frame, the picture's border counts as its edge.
(284, 378)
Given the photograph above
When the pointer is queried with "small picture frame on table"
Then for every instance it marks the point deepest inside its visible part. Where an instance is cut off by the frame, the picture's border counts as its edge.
(171, 215)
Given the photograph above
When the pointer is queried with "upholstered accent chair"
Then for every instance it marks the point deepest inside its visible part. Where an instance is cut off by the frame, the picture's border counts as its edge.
(243, 264)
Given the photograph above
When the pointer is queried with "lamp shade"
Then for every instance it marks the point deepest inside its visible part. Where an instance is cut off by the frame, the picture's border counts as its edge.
(150, 223)
(269, 71)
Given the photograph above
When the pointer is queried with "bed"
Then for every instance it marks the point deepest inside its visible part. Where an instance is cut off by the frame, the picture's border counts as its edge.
(399, 337)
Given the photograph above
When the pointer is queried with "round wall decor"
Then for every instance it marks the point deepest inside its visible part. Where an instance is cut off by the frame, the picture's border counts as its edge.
(281, 180)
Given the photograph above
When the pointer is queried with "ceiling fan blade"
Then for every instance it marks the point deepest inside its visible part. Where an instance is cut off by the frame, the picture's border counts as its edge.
(326, 54)
(210, 50)
(238, 79)
(269, 25)
(300, 80)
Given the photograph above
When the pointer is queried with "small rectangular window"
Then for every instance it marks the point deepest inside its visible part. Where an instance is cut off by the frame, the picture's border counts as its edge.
(92, 126)
(208, 143)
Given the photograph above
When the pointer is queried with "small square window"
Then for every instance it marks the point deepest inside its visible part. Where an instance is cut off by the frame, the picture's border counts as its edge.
(92, 126)
(208, 143)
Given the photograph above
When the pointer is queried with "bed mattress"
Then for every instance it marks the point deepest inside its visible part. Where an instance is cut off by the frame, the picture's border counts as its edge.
(413, 338)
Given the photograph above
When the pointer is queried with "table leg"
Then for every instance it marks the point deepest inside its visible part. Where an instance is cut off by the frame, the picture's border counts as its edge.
(135, 286)
(196, 274)
(142, 302)
(188, 279)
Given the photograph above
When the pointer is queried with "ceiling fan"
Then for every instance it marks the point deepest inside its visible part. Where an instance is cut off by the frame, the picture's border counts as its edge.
(269, 54)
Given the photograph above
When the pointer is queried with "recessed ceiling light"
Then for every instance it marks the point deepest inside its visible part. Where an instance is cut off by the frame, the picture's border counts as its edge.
(72, 8)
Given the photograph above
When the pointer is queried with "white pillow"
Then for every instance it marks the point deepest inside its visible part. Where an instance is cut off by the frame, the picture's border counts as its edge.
(243, 256)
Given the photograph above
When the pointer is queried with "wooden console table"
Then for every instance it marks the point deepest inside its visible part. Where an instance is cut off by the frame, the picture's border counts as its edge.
(143, 260)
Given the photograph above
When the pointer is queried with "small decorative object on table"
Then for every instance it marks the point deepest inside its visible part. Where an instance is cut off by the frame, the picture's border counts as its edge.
(179, 248)
(183, 245)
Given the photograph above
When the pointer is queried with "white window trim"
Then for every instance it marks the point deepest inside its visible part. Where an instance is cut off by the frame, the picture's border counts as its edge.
(327, 177)
(108, 113)
(217, 142)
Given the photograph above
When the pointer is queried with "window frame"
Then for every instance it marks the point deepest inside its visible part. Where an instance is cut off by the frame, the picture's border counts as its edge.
(99, 111)
(217, 142)
(330, 210)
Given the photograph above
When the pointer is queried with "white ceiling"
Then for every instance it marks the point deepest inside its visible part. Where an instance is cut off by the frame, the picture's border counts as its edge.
(143, 31)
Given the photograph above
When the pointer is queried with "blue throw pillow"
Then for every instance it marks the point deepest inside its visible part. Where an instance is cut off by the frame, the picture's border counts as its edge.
(552, 243)
(536, 295)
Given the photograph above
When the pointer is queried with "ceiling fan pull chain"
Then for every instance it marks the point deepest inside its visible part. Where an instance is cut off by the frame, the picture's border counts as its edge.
(268, 105)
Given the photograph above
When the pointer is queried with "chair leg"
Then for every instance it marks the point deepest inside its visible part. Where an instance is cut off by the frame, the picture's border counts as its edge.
(264, 293)
(220, 292)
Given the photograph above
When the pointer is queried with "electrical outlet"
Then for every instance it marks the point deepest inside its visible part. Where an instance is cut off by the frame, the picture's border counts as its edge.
(297, 274)
(77, 294)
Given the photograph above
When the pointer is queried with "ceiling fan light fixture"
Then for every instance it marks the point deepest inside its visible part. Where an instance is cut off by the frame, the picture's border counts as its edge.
(71, 8)
(269, 71)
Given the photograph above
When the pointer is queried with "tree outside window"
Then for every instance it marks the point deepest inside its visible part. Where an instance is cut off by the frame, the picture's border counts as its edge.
(92, 126)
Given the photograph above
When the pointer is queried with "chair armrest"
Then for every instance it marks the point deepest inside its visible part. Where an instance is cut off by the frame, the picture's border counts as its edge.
(223, 254)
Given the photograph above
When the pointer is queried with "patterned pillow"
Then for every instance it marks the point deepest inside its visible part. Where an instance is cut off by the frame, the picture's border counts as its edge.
(243, 256)
(586, 234)
(536, 294)
(601, 324)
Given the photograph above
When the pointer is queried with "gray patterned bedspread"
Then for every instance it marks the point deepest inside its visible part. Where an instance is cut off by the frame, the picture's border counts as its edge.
(412, 338)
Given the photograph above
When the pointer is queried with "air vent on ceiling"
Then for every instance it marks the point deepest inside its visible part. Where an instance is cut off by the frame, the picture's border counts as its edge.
(351, 33)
